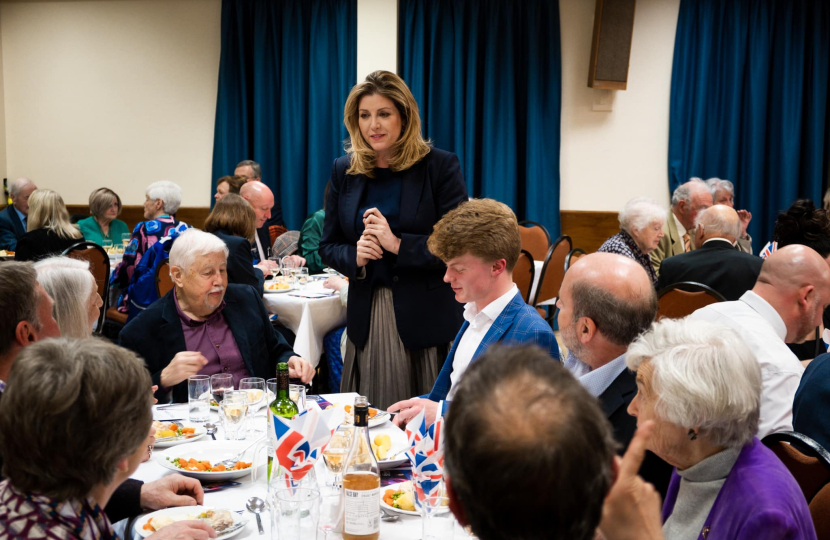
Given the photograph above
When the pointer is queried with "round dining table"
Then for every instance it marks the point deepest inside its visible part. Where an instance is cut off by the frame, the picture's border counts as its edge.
(234, 498)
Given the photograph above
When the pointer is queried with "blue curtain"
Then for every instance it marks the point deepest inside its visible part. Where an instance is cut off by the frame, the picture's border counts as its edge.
(487, 78)
(749, 100)
(286, 68)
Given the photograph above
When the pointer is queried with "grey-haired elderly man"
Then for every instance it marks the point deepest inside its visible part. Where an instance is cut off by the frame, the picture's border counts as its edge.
(13, 217)
(723, 192)
(206, 326)
(686, 202)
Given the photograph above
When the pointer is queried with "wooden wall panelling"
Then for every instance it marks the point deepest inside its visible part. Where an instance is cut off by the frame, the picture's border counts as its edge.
(588, 229)
(132, 215)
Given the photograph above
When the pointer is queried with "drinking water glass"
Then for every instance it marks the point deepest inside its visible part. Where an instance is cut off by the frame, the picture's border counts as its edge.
(296, 393)
(301, 278)
(294, 513)
(255, 387)
(198, 398)
(437, 522)
(234, 409)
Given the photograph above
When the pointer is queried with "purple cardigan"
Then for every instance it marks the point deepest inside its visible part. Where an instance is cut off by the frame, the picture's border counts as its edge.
(760, 500)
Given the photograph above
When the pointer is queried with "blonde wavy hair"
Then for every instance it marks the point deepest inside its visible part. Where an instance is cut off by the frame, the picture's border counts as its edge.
(46, 210)
(409, 149)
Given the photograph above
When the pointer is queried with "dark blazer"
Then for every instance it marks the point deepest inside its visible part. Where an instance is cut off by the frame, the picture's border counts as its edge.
(425, 308)
(716, 264)
(11, 228)
(42, 243)
(812, 402)
(241, 267)
(614, 402)
(156, 335)
(264, 239)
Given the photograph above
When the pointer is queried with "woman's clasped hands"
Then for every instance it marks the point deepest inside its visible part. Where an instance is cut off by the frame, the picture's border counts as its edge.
(376, 237)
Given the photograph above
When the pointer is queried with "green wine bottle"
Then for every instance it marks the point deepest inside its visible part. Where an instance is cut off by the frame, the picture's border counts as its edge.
(282, 404)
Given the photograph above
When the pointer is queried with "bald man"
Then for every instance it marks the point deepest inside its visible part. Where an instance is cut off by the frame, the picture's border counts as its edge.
(260, 197)
(787, 301)
(252, 171)
(605, 302)
(716, 262)
(13, 217)
(687, 201)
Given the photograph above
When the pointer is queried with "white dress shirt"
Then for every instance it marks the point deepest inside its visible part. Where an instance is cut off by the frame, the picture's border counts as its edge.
(681, 230)
(480, 323)
(763, 329)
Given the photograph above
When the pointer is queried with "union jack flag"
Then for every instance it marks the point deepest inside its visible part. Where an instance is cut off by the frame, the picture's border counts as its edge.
(298, 443)
(426, 453)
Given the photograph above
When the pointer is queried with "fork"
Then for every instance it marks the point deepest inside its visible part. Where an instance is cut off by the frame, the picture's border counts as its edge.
(231, 462)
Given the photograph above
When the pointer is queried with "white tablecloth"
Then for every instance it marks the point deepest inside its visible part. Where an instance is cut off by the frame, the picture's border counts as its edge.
(407, 528)
(309, 318)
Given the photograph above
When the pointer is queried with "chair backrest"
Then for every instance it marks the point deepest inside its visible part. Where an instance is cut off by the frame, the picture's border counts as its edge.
(163, 280)
(807, 460)
(535, 239)
(573, 256)
(99, 265)
(820, 512)
(523, 274)
(553, 270)
(684, 298)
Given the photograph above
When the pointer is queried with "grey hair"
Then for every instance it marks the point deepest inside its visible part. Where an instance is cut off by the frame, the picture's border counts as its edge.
(684, 191)
(194, 243)
(639, 213)
(704, 376)
(716, 184)
(256, 168)
(170, 194)
(715, 224)
(71, 286)
(618, 319)
(17, 186)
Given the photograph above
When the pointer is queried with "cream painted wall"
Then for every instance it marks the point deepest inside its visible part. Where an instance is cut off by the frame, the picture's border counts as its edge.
(111, 92)
(608, 158)
(377, 36)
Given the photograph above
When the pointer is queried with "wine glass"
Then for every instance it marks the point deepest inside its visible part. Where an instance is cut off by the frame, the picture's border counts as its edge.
(234, 408)
(125, 240)
(255, 388)
(107, 245)
(219, 384)
(335, 454)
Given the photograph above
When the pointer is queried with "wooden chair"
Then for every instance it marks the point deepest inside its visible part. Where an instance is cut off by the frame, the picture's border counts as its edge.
(809, 463)
(523, 274)
(535, 239)
(99, 265)
(573, 256)
(684, 298)
(553, 270)
(163, 280)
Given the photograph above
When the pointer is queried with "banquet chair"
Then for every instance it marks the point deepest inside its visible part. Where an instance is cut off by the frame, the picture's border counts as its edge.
(99, 265)
(684, 298)
(163, 280)
(809, 463)
(523, 274)
(535, 239)
(553, 272)
(572, 256)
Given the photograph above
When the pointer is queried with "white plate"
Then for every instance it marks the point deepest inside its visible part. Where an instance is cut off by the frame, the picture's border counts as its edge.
(213, 451)
(398, 510)
(185, 511)
(200, 432)
(379, 419)
(399, 443)
(278, 291)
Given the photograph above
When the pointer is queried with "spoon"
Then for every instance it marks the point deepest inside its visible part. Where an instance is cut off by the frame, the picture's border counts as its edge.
(256, 506)
(211, 430)
(388, 516)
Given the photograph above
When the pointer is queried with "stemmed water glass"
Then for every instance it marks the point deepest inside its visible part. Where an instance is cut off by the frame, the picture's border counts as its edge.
(255, 388)
(219, 384)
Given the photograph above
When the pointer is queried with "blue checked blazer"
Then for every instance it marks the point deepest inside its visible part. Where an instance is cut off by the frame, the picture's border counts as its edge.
(518, 323)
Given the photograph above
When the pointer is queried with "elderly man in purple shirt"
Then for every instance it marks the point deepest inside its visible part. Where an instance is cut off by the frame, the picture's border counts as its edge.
(206, 326)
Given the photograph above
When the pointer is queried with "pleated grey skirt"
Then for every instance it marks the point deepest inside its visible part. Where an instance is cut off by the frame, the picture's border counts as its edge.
(384, 370)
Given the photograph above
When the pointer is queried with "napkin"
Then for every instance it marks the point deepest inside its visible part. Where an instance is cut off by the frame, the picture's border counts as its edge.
(426, 453)
(299, 443)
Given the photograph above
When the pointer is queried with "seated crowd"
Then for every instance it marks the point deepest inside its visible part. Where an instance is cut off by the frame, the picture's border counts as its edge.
(645, 429)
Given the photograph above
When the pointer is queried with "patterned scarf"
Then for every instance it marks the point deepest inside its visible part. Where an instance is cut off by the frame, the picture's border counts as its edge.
(26, 517)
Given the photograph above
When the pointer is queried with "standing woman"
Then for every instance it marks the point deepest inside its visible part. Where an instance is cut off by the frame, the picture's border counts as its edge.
(105, 207)
(385, 197)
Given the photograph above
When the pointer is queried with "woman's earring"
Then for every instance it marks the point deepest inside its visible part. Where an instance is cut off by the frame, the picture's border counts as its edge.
(692, 435)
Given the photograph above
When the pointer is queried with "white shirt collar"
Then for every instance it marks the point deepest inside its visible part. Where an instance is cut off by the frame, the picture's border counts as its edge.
(491, 311)
(681, 230)
(719, 240)
(767, 312)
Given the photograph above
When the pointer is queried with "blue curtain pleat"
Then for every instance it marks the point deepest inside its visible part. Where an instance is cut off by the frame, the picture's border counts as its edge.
(749, 101)
(487, 77)
(285, 71)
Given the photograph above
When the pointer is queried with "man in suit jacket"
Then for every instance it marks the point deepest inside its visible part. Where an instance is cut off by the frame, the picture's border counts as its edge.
(480, 243)
(253, 172)
(261, 198)
(28, 318)
(812, 400)
(715, 262)
(686, 202)
(605, 302)
(13, 217)
(205, 326)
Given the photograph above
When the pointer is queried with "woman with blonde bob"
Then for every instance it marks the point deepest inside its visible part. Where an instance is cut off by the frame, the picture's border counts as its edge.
(701, 386)
(74, 292)
(48, 226)
(385, 196)
(105, 207)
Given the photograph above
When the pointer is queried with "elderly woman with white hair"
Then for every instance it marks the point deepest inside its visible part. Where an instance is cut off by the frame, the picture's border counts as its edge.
(206, 326)
(74, 292)
(701, 386)
(162, 201)
(641, 228)
(723, 192)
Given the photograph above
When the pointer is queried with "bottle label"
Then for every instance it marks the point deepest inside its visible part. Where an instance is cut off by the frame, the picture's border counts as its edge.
(362, 511)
